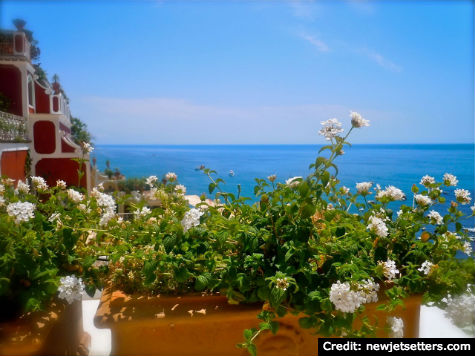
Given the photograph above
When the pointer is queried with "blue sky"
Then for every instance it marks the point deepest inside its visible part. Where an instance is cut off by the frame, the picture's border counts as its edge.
(251, 72)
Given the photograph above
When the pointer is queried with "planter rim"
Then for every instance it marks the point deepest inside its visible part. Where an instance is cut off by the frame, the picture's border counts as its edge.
(117, 307)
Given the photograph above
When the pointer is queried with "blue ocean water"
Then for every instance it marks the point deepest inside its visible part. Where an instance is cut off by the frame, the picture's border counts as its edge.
(399, 165)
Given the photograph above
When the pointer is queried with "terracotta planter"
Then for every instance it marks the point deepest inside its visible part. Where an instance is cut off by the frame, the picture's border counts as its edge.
(57, 331)
(208, 325)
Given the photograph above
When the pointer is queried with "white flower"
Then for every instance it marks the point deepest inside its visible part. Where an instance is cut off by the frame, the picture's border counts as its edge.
(450, 180)
(450, 236)
(392, 193)
(170, 176)
(75, 196)
(461, 309)
(397, 327)
(467, 248)
(422, 200)
(106, 217)
(330, 129)
(54, 217)
(426, 267)
(180, 189)
(22, 187)
(368, 291)
(282, 283)
(191, 219)
(142, 212)
(389, 269)
(377, 226)
(363, 187)
(435, 217)
(344, 299)
(150, 180)
(344, 190)
(293, 182)
(91, 236)
(82, 207)
(462, 196)
(86, 147)
(427, 180)
(399, 212)
(357, 120)
(61, 184)
(21, 211)
(71, 288)
(2, 189)
(39, 183)
(272, 177)
(104, 200)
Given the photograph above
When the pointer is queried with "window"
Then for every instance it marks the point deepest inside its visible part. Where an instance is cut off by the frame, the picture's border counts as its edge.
(31, 92)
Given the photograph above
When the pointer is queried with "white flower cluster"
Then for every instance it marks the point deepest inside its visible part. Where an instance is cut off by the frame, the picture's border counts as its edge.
(282, 283)
(139, 213)
(171, 177)
(397, 327)
(22, 187)
(107, 203)
(435, 217)
(71, 288)
(151, 180)
(293, 182)
(272, 177)
(180, 189)
(330, 129)
(377, 226)
(348, 300)
(427, 181)
(344, 299)
(357, 120)
(461, 309)
(191, 219)
(422, 200)
(450, 180)
(389, 269)
(86, 147)
(462, 196)
(467, 248)
(368, 291)
(75, 196)
(61, 184)
(39, 183)
(363, 187)
(426, 267)
(392, 193)
(21, 211)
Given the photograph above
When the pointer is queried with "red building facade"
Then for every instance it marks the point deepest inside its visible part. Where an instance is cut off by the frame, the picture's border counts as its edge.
(43, 111)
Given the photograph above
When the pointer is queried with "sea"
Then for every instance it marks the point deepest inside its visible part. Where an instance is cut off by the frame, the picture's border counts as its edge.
(401, 165)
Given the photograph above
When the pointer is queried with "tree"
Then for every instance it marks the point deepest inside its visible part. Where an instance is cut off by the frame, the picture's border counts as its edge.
(79, 131)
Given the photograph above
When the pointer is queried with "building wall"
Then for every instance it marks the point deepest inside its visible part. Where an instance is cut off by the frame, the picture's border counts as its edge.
(10, 86)
(12, 161)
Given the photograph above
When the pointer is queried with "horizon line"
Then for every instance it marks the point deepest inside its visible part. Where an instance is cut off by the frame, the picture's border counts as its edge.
(278, 144)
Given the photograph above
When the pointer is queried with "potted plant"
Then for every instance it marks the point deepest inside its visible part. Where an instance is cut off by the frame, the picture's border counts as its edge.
(307, 257)
(46, 263)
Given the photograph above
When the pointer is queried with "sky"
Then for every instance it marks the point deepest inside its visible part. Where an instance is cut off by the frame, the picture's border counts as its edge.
(259, 72)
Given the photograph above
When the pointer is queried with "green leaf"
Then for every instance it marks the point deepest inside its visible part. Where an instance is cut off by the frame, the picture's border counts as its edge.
(306, 322)
(276, 296)
(211, 187)
(201, 283)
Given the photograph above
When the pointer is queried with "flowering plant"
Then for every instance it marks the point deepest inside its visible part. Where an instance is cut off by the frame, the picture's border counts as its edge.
(309, 246)
(45, 245)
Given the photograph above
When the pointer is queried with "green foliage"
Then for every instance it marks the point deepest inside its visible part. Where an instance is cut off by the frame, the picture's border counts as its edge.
(285, 251)
(79, 131)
